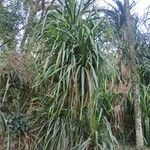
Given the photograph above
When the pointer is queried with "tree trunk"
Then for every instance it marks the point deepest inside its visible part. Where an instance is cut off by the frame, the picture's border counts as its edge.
(130, 40)
(33, 9)
(27, 27)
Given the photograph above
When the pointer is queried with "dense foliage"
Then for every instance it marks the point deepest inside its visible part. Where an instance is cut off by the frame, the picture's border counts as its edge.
(67, 87)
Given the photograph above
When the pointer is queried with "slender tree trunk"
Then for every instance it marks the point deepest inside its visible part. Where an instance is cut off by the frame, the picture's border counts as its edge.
(43, 9)
(33, 9)
(36, 6)
(27, 27)
(130, 40)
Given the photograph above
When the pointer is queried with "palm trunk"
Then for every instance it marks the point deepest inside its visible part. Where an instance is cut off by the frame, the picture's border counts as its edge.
(130, 40)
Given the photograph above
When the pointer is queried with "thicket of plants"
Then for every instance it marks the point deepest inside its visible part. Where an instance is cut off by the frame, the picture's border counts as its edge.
(68, 85)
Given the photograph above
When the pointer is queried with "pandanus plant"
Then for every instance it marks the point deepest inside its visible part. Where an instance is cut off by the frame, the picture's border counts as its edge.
(72, 57)
(69, 58)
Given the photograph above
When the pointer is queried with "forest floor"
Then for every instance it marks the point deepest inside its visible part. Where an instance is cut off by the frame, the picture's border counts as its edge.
(130, 147)
(121, 147)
